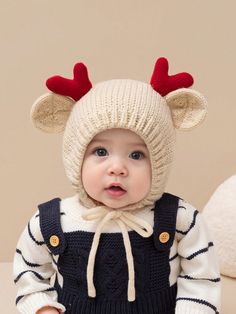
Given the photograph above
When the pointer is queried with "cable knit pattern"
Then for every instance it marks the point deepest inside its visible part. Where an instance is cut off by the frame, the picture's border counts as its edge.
(191, 262)
(123, 219)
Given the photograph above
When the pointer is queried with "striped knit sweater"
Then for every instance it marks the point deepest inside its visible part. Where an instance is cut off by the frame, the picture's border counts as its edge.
(193, 263)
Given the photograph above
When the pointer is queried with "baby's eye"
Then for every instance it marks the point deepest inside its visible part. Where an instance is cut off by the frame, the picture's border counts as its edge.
(137, 155)
(101, 152)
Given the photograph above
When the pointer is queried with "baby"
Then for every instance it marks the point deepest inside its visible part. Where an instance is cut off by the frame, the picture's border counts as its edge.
(121, 244)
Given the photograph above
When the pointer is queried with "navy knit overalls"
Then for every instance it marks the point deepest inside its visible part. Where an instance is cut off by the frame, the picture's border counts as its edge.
(151, 262)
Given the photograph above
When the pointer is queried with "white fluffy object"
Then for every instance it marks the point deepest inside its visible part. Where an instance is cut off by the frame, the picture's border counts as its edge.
(220, 215)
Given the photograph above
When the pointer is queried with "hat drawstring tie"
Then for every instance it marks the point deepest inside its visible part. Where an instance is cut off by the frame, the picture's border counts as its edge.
(123, 219)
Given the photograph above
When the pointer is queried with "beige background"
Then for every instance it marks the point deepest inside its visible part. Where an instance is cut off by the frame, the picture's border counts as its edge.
(115, 39)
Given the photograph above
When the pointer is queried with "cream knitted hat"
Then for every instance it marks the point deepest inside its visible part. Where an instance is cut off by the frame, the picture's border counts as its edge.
(152, 111)
(124, 104)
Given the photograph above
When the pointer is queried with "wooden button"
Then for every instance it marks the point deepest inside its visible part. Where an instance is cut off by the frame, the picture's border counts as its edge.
(54, 240)
(164, 237)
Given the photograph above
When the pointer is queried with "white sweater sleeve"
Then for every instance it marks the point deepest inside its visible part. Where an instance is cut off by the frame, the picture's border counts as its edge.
(199, 279)
(33, 270)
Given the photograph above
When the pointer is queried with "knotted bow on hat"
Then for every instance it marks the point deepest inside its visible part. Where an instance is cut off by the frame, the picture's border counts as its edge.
(124, 219)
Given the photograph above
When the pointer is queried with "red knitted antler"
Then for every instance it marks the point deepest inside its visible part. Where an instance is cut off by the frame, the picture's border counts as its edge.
(163, 83)
(75, 88)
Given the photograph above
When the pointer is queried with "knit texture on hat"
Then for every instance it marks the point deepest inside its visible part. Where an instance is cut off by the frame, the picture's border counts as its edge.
(126, 104)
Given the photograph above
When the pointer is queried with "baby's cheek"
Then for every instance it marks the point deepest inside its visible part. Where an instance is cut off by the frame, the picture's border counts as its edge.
(86, 176)
(142, 189)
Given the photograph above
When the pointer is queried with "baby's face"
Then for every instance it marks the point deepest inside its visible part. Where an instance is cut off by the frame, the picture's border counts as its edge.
(116, 170)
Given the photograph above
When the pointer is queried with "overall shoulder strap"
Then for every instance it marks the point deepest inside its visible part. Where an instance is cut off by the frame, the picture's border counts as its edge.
(165, 213)
(50, 224)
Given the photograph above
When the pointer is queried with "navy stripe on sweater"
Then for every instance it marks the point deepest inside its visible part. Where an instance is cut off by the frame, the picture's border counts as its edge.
(32, 237)
(200, 301)
(182, 207)
(193, 278)
(204, 250)
(28, 271)
(53, 259)
(191, 225)
(26, 262)
(22, 296)
(173, 257)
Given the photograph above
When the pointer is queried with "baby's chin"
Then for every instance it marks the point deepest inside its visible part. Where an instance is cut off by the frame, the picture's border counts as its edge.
(112, 204)
(108, 204)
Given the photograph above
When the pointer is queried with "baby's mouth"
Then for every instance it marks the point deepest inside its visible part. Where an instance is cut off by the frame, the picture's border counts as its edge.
(115, 190)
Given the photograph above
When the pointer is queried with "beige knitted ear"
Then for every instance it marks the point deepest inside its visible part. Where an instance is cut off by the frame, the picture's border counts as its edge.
(188, 108)
(50, 112)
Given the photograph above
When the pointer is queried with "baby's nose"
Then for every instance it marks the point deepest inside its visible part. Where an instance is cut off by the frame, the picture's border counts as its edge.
(118, 168)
